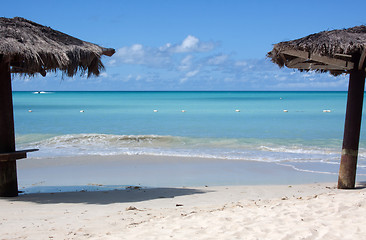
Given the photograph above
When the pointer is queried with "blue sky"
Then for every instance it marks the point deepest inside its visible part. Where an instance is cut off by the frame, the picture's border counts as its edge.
(189, 44)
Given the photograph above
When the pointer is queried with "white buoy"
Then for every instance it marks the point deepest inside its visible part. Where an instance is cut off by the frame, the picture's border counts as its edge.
(81, 111)
(285, 110)
(280, 98)
(183, 110)
(155, 110)
(29, 110)
(326, 110)
(237, 110)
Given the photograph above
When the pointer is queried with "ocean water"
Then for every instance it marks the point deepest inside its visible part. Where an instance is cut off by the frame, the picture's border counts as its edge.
(244, 126)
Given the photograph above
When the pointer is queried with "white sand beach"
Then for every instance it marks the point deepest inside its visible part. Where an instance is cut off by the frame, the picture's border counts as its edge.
(313, 211)
(282, 211)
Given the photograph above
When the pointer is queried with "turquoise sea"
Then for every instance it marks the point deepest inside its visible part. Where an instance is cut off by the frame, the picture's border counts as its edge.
(302, 130)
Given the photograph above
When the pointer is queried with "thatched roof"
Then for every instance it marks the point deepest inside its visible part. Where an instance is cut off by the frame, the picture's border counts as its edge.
(32, 48)
(336, 51)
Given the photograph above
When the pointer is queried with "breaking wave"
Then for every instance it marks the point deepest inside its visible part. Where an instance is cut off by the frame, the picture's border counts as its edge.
(229, 148)
(299, 156)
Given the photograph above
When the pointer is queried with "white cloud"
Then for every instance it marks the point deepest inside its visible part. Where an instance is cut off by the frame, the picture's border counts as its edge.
(189, 75)
(190, 44)
(103, 74)
(162, 57)
(140, 55)
(185, 63)
(192, 73)
(165, 47)
(112, 62)
(132, 77)
(280, 77)
(241, 63)
(218, 60)
(199, 65)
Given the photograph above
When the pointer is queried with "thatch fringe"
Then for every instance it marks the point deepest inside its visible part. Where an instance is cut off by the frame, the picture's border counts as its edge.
(33, 48)
(351, 41)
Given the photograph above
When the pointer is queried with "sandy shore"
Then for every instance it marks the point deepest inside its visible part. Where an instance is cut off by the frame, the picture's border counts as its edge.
(184, 198)
(313, 211)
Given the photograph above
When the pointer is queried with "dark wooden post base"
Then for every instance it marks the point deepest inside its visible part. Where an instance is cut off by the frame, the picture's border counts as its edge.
(352, 127)
(8, 171)
(8, 179)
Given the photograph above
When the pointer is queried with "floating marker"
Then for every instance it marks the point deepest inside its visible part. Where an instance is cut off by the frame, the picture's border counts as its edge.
(237, 110)
(81, 111)
(155, 110)
(327, 110)
(285, 110)
(280, 98)
(183, 110)
(29, 110)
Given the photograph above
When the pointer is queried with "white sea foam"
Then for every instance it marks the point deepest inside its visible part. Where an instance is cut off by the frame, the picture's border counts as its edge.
(299, 157)
(306, 170)
(231, 149)
(42, 92)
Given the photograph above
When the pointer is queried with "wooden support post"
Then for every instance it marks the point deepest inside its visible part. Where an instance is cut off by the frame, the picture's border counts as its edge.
(8, 169)
(352, 126)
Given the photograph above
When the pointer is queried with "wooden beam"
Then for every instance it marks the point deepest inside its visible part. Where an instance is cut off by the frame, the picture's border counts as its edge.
(352, 126)
(297, 53)
(343, 55)
(108, 51)
(362, 60)
(5, 157)
(8, 170)
(345, 65)
(341, 64)
(314, 66)
(283, 58)
(13, 156)
(294, 62)
(301, 65)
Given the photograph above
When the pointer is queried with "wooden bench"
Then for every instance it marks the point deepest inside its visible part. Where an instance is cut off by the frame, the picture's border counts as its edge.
(13, 156)
(8, 172)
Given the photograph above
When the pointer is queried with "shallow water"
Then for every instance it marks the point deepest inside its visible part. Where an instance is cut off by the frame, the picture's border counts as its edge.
(226, 125)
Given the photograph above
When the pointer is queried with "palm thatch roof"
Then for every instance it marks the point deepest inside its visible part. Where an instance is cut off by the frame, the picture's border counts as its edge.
(32, 48)
(336, 51)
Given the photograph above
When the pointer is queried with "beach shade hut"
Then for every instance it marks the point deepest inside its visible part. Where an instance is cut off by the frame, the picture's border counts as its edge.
(29, 48)
(337, 52)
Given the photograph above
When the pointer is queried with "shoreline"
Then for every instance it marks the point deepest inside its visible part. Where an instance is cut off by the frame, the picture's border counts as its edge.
(176, 201)
(63, 173)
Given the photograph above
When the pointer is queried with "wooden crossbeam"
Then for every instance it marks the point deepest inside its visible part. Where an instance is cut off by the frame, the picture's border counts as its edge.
(343, 55)
(297, 53)
(13, 156)
(313, 66)
(344, 65)
(333, 63)
(362, 59)
(294, 62)
(283, 58)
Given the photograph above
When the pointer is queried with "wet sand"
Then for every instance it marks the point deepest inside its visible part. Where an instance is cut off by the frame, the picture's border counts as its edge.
(156, 171)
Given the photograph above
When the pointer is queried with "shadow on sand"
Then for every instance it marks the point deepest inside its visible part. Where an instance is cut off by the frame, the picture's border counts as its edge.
(106, 197)
(360, 185)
